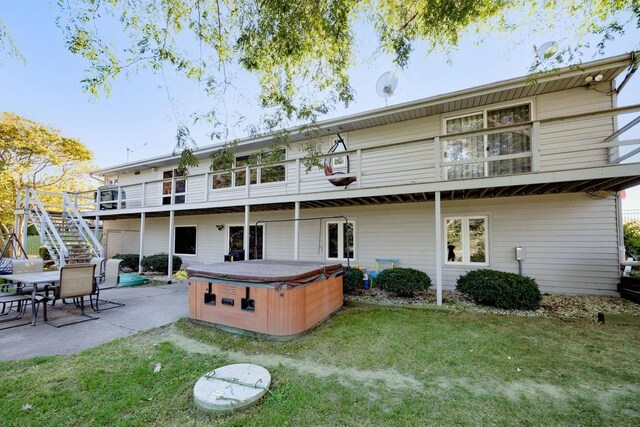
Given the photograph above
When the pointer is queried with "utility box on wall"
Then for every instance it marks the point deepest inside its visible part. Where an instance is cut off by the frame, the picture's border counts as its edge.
(520, 253)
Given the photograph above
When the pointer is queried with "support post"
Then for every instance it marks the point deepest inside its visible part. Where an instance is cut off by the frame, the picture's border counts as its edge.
(171, 240)
(439, 245)
(296, 232)
(247, 230)
(143, 202)
(141, 250)
(207, 186)
(359, 173)
(96, 226)
(25, 219)
(247, 172)
(535, 147)
(298, 176)
(437, 158)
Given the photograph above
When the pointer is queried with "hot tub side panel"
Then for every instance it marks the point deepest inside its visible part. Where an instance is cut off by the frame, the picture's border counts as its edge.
(226, 309)
(323, 300)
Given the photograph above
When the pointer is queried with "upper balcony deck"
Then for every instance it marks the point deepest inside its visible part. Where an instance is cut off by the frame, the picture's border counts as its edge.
(562, 146)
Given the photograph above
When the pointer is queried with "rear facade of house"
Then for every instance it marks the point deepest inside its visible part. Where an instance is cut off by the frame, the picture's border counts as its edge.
(445, 185)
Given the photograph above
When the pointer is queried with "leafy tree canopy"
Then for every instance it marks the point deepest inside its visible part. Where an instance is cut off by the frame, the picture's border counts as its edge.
(33, 154)
(301, 51)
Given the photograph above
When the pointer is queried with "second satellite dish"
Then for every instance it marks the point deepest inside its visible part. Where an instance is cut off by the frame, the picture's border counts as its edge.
(546, 51)
(386, 85)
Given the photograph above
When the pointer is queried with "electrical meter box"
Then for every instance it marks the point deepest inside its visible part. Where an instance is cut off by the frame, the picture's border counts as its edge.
(520, 253)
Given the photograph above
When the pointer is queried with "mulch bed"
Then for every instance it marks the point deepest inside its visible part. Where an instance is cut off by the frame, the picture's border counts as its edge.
(566, 307)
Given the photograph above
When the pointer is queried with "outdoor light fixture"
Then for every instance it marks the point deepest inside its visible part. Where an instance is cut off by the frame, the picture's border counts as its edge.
(154, 170)
(588, 79)
(599, 77)
(219, 227)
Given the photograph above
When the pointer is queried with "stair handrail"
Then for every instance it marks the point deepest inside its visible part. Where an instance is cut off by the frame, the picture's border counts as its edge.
(46, 224)
(69, 207)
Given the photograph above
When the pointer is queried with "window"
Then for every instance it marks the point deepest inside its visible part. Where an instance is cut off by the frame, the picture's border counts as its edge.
(185, 240)
(340, 240)
(467, 240)
(258, 174)
(236, 240)
(174, 187)
(511, 149)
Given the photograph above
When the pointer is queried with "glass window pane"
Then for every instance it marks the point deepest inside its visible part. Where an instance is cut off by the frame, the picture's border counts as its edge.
(252, 242)
(347, 230)
(454, 240)
(181, 185)
(236, 238)
(179, 199)
(167, 174)
(185, 240)
(332, 250)
(166, 187)
(508, 116)
(222, 180)
(477, 241)
(465, 124)
(166, 200)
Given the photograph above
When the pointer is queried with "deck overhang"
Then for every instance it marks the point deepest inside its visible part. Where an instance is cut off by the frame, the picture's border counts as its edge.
(611, 178)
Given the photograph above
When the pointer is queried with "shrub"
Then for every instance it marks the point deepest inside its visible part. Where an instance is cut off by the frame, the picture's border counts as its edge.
(129, 261)
(352, 280)
(160, 264)
(631, 231)
(44, 253)
(500, 289)
(403, 281)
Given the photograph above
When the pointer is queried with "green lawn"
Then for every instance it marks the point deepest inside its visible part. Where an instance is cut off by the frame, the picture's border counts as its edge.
(366, 366)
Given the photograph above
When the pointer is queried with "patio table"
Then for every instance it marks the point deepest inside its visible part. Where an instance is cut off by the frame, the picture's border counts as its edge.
(34, 279)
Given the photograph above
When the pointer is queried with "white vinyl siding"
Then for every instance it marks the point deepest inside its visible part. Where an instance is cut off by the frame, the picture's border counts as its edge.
(570, 240)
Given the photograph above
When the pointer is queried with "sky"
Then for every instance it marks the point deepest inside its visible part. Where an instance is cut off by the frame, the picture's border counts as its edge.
(138, 120)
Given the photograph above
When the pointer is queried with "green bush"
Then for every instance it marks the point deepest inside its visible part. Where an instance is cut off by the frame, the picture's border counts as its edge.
(129, 261)
(500, 289)
(44, 253)
(403, 281)
(631, 231)
(352, 280)
(160, 264)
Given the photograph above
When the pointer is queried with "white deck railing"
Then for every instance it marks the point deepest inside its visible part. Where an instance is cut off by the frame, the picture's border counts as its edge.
(412, 161)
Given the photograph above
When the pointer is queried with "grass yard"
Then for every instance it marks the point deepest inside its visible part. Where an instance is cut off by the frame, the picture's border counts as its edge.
(365, 366)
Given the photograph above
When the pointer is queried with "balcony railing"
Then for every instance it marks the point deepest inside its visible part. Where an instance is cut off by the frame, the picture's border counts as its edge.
(551, 144)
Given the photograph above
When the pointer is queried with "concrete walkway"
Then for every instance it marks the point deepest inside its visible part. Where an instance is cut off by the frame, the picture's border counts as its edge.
(146, 308)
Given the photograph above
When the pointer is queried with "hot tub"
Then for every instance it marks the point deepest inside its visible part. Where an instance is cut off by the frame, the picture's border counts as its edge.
(279, 299)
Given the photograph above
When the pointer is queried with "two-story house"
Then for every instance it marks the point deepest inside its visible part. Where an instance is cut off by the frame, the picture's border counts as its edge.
(445, 184)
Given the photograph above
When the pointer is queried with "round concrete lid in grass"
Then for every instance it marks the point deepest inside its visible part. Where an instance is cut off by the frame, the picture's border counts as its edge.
(231, 387)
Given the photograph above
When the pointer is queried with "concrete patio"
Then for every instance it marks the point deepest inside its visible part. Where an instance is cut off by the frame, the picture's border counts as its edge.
(146, 307)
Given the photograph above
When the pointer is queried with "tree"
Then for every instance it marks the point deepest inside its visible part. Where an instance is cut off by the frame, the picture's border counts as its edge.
(301, 51)
(33, 154)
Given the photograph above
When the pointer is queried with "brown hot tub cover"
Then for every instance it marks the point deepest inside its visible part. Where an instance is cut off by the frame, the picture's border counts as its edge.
(277, 273)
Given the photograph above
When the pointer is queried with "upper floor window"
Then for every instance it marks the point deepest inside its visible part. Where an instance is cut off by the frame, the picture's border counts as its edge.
(495, 153)
(467, 240)
(257, 174)
(174, 187)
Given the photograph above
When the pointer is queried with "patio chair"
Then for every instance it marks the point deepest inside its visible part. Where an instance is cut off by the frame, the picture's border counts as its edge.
(110, 281)
(374, 274)
(8, 313)
(76, 281)
(100, 267)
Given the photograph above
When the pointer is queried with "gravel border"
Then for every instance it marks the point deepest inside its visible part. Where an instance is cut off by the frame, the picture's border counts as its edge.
(558, 306)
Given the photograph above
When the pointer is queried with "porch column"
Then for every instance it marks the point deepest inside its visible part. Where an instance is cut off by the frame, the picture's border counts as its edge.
(25, 220)
(439, 245)
(96, 226)
(247, 231)
(141, 251)
(296, 233)
(171, 240)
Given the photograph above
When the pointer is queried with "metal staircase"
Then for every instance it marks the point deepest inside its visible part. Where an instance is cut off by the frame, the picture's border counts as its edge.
(63, 231)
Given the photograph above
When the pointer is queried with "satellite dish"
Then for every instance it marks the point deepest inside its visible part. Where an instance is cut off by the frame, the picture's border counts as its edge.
(546, 51)
(386, 85)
